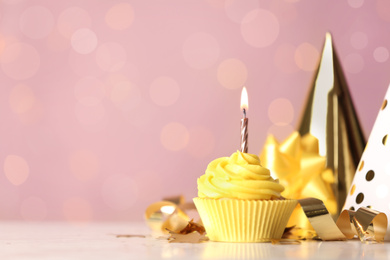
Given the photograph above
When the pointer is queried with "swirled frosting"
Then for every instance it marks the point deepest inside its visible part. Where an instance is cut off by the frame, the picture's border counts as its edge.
(239, 176)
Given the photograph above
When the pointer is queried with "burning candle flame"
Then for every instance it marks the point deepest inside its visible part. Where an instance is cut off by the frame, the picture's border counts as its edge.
(244, 100)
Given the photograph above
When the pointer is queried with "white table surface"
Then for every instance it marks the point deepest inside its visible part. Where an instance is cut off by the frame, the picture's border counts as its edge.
(57, 240)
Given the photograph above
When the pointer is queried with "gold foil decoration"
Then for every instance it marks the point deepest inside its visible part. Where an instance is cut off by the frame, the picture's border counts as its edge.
(168, 214)
(330, 116)
(369, 225)
(301, 170)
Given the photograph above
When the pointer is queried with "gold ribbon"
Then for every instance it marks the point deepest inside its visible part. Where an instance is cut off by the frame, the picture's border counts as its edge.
(168, 214)
(368, 224)
(301, 170)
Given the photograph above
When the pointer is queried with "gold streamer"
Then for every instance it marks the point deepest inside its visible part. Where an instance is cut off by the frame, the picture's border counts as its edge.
(369, 225)
(168, 214)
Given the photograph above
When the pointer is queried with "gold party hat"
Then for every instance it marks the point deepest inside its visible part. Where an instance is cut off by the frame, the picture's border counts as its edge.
(330, 116)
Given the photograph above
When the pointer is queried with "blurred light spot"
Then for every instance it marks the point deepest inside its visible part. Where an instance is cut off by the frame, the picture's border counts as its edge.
(260, 28)
(381, 54)
(201, 50)
(90, 115)
(174, 136)
(168, 209)
(281, 132)
(285, 12)
(111, 56)
(281, 112)
(353, 63)
(77, 209)
(125, 95)
(236, 9)
(232, 73)
(164, 91)
(201, 142)
(359, 40)
(55, 41)
(119, 192)
(355, 3)
(20, 61)
(16, 169)
(33, 209)
(72, 19)
(120, 16)
(84, 41)
(89, 91)
(21, 99)
(36, 22)
(306, 57)
(285, 58)
(84, 164)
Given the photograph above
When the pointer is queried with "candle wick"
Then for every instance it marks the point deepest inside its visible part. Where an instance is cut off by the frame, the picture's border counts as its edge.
(244, 112)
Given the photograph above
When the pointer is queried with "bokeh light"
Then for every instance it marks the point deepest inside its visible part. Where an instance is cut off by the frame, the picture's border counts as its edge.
(84, 41)
(281, 112)
(381, 54)
(36, 22)
(260, 28)
(72, 19)
(306, 57)
(232, 73)
(84, 164)
(20, 61)
(201, 50)
(120, 16)
(174, 136)
(355, 3)
(16, 169)
(164, 91)
(21, 99)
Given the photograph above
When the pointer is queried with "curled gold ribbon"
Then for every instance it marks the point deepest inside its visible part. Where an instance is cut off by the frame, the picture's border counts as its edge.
(168, 214)
(368, 224)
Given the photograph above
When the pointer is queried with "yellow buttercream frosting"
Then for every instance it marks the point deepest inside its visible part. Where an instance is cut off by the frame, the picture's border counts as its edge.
(239, 176)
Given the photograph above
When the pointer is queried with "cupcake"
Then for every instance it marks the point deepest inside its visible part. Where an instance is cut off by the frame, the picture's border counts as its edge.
(239, 201)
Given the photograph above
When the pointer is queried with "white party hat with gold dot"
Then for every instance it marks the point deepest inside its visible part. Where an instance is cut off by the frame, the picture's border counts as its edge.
(371, 184)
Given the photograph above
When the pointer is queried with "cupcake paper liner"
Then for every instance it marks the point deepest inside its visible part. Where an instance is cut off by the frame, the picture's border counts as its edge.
(234, 220)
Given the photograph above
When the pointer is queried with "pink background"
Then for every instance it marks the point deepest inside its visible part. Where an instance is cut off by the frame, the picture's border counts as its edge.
(108, 106)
